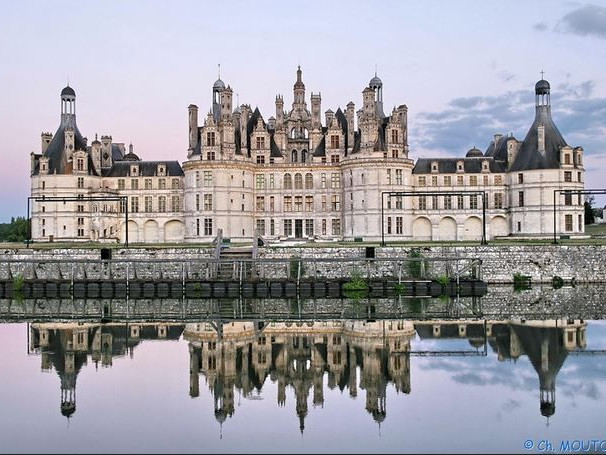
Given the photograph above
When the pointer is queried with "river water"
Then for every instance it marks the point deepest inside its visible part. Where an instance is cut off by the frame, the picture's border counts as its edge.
(360, 383)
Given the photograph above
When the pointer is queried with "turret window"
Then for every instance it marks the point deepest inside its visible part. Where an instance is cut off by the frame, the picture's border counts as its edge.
(210, 139)
(520, 178)
(334, 159)
(567, 158)
(210, 155)
(568, 176)
(394, 135)
(334, 141)
(260, 142)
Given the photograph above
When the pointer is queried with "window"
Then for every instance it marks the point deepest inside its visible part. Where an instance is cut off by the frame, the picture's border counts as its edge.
(580, 220)
(80, 221)
(335, 180)
(394, 135)
(80, 164)
(336, 226)
(334, 159)
(485, 180)
(521, 198)
(324, 203)
(394, 153)
(120, 184)
(175, 184)
(271, 204)
(399, 202)
(434, 202)
(197, 226)
(567, 158)
(80, 182)
(498, 200)
(434, 180)
(260, 142)
(208, 226)
(422, 203)
(520, 178)
(148, 184)
(287, 182)
(578, 176)
(460, 202)
(260, 179)
(80, 208)
(399, 225)
(134, 204)
(134, 184)
(294, 156)
(208, 178)
(272, 227)
(473, 180)
(398, 176)
(162, 204)
(334, 141)
(323, 180)
(298, 182)
(272, 181)
(460, 180)
(309, 203)
(148, 204)
(498, 180)
(473, 201)
(261, 227)
(447, 180)
(175, 204)
(568, 223)
(567, 176)
(309, 228)
(288, 203)
(422, 181)
(447, 202)
(324, 227)
(80, 232)
(298, 203)
(309, 181)
(260, 159)
(210, 139)
(567, 198)
(288, 228)
(162, 184)
(389, 225)
(335, 202)
(208, 202)
(210, 155)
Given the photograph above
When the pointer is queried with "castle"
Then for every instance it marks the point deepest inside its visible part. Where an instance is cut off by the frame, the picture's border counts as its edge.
(298, 176)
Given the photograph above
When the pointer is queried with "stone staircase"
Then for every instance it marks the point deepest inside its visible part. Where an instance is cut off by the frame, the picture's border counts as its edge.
(229, 268)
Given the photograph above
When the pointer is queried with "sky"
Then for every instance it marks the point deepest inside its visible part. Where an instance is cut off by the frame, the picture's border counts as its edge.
(466, 69)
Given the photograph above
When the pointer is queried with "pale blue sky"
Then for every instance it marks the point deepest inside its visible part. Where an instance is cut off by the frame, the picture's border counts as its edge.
(465, 69)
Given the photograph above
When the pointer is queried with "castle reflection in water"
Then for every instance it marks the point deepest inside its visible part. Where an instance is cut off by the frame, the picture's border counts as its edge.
(360, 356)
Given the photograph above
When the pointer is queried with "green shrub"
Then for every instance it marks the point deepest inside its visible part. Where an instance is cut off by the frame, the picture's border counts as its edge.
(295, 264)
(356, 287)
(415, 265)
(18, 282)
(557, 282)
(521, 282)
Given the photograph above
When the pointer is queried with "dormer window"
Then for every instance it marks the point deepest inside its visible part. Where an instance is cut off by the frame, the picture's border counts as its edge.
(485, 166)
(161, 170)
(460, 166)
(260, 142)
(567, 158)
(434, 167)
(134, 170)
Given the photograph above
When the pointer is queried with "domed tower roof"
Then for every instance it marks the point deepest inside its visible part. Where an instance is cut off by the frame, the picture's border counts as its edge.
(219, 85)
(542, 87)
(375, 81)
(474, 153)
(68, 91)
(299, 83)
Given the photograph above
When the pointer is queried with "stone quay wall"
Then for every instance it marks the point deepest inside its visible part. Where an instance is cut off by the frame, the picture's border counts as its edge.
(499, 264)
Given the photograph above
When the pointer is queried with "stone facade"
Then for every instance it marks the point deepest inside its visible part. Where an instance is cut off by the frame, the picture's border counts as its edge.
(295, 176)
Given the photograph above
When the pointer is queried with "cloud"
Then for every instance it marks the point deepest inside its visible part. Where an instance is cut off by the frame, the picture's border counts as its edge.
(587, 20)
(540, 26)
(470, 121)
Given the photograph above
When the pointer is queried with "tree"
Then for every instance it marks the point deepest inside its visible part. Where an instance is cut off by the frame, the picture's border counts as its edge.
(589, 210)
(15, 231)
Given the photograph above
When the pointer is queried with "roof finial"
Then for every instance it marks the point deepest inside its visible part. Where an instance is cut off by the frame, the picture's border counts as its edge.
(68, 79)
(542, 74)
(219, 65)
(375, 70)
(238, 99)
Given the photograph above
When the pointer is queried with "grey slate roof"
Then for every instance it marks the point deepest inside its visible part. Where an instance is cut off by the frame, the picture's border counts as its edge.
(529, 158)
(449, 165)
(146, 169)
(499, 150)
(321, 148)
(274, 149)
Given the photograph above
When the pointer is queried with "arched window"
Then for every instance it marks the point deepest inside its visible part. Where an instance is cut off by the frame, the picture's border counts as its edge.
(298, 182)
(294, 156)
(309, 181)
(287, 182)
(293, 133)
(303, 156)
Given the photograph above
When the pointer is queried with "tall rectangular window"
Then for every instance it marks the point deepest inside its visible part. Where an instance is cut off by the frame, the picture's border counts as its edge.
(460, 202)
(272, 227)
(148, 184)
(271, 203)
(422, 181)
(399, 177)
(473, 201)
(580, 219)
(175, 184)
(389, 225)
(298, 203)
(208, 202)
(162, 204)
(309, 203)
(162, 184)
(148, 204)
(134, 184)
(336, 226)
(498, 200)
(120, 184)
(434, 180)
(567, 198)
(288, 203)
(80, 182)
(389, 177)
(261, 227)
(208, 178)
(260, 179)
(134, 204)
(309, 228)
(260, 206)
(287, 228)
(473, 180)
(323, 180)
(335, 180)
(447, 202)
(447, 180)
(498, 180)
(567, 176)
(210, 139)
(272, 181)
(568, 223)
(208, 226)
(323, 203)
(399, 225)
(422, 203)
(520, 178)
(335, 202)
(175, 204)
(399, 202)
(521, 198)
(260, 142)
(197, 202)
(334, 141)
(459, 180)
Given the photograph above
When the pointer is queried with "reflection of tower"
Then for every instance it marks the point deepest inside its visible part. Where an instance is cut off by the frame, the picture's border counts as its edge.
(547, 344)
(68, 385)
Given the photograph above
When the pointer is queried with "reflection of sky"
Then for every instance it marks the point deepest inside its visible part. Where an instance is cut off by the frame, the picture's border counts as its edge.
(142, 405)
